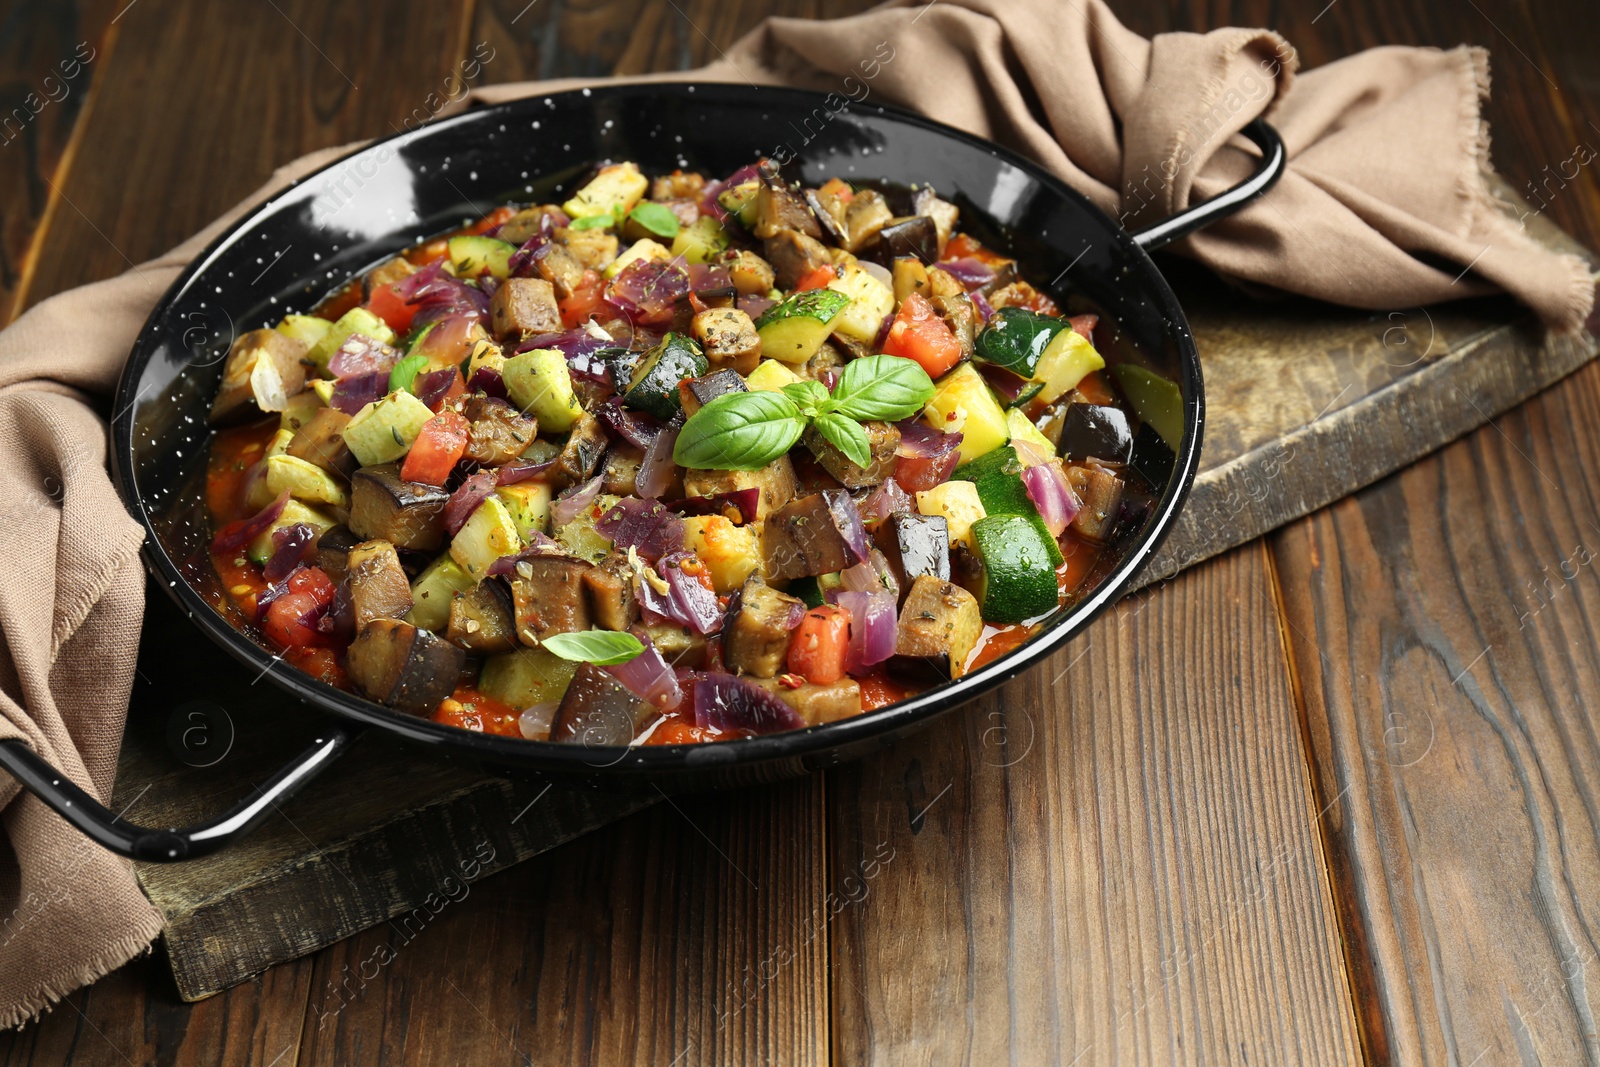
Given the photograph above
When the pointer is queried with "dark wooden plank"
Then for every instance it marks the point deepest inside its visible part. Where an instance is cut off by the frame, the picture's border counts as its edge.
(1114, 860)
(49, 54)
(1443, 627)
(241, 90)
(673, 936)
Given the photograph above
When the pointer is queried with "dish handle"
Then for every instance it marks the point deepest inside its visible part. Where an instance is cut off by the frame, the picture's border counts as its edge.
(1274, 160)
(115, 833)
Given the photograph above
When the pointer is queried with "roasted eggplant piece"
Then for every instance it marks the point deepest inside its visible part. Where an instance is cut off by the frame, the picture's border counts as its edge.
(913, 236)
(527, 222)
(816, 704)
(383, 507)
(679, 185)
(757, 640)
(547, 597)
(262, 366)
(1096, 431)
(497, 433)
(729, 339)
(882, 439)
(1101, 492)
(944, 214)
(320, 440)
(940, 623)
(780, 208)
(621, 469)
(481, 620)
(793, 256)
(598, 710)
(678, 645)
(585, 448)
(696, 393)
(379, 588)
(915, 546)
(386, 274)
(776, 481)
(407, 668)
(333, 551)
(961, 315)
(524, 307)
(867, 214)
(1152, 457)
(817, 534)
(609, 585)
(562, 269)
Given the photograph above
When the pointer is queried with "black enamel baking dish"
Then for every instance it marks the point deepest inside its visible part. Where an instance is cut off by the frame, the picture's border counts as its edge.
(284, 255)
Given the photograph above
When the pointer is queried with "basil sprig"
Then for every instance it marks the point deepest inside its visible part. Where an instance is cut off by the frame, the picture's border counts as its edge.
(747, 431)
(600, 647)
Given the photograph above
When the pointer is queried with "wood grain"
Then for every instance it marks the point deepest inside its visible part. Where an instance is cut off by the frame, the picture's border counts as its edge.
(1442, 626)
(49, 55)
(1114, 860)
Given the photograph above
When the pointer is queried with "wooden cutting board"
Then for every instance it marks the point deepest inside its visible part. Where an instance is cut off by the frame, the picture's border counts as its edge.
(1305, 404)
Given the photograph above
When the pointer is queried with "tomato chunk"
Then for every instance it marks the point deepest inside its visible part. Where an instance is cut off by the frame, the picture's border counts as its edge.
(291, 619)
(584, 302)
(391, 308)
(919, 333)
(437, 449)
(816, 652)
(817, 279)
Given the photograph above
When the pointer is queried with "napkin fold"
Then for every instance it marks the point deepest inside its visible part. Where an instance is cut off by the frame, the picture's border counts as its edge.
(1385, 205)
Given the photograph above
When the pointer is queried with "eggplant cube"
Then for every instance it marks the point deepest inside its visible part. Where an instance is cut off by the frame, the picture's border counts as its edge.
(882, 439)
(1101, 493)
(816, 534)
(729, 338)
(696, 393)
(612, 602)
(547, 597)
(817, 704)
(524, 307)
(263, 366)
(407, 668)
(915, 546)
(384, 507)
(481, 620)
(939, 625)
(379, 588)
(598, 710)
(320, 440)
(1096, 430)
(757, 641)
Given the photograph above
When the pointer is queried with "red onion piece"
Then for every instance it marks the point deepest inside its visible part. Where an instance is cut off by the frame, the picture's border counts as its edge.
(648, 675)
(703, 276)
(872, 576)
(438, 295)
(569, 504)
(754, 305)
(686, 600)
(360, 355)
(708, 199)
(1031, 453)
(465, 500)
(290, 546)
(643, 525)
(338, 621)
(918, 440)
(236, 535)
(449, 341)
(1007, 384)
(647, 291)
(634, 427)
(887, 499)
(488, 381)
(1051, 493)
(848, 521)
(970, 272)
(725, 702)
(513, 473)
(657, 473)
(738, 507)
(878, 271)
(432, 387)
(535, 721)
(350, 395)
(985, 309)
(872, 628)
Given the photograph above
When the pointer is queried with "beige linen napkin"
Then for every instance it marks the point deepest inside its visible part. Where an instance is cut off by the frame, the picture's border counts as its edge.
(1384, 206)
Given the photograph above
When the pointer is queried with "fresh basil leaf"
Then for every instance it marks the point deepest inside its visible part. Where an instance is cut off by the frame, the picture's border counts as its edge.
(403, 375)
(811, 397)
(846, 435)
(590, 222)
(657, 218)
(889, 388)
(600, 647)
(739, 432)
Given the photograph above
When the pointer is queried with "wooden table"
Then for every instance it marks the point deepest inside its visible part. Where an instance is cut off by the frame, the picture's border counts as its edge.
(1333, 795)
